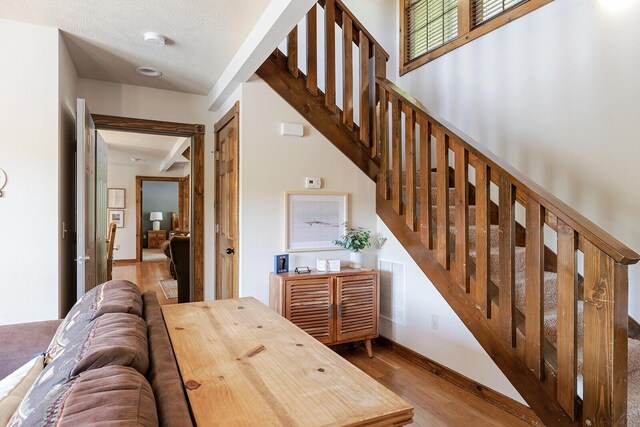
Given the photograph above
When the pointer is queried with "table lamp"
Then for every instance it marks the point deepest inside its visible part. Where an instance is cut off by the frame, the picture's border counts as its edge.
(156, 217)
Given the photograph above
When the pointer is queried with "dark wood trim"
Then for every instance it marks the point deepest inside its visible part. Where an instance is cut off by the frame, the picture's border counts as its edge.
(139, 181)
(229, 115)
(196, 225)
(463, 37)
(487, 394)
(128, 124)
(190, 130)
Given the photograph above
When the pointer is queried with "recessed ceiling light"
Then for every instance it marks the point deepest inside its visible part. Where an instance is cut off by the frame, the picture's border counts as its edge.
(149, 71)
(154, 38)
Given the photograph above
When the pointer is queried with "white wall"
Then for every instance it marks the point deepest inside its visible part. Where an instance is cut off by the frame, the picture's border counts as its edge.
(146, 103)
(122, 174)
(29, 155)
(270, 164)
(555, 94)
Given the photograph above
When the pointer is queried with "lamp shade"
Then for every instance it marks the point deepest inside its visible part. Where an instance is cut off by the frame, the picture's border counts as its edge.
(156, 216)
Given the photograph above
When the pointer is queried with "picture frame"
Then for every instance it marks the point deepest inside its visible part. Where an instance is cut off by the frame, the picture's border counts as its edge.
(116, 216)
(314, 219)
(116, 198)
(281, 263)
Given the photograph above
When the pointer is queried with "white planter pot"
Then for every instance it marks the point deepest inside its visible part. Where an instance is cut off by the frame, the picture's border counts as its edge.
(355, 259)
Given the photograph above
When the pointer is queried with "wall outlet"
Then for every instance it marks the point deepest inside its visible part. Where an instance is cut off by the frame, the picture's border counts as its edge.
(313, 182)
(435, 322)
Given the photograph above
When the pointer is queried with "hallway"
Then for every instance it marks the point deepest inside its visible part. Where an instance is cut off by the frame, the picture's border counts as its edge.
(146, 275)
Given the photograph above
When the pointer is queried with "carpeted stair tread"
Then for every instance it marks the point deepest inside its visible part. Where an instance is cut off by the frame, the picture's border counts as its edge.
(494, 234)
(471, 214)
(495, 258)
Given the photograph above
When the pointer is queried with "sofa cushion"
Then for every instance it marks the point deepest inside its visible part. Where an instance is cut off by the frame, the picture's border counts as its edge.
(114, 395)
(163, 375)
(116, 296)
(111, 339)
(14, 387)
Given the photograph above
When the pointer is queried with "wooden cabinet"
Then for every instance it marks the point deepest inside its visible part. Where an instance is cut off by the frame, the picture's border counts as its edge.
(334, 308)
(155, 238)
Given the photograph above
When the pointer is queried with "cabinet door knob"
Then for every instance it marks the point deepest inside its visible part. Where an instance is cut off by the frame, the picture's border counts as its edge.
(230, 251)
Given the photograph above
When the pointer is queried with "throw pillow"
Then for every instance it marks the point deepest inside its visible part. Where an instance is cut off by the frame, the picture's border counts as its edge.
(14, 387)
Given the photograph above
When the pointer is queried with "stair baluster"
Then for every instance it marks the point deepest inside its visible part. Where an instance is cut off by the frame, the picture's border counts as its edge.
(425, 219)
(312, 51)
(534, 305)
(498, 278)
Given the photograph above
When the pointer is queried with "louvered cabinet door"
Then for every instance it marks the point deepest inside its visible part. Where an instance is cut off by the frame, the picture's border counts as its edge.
(357, 299)
(309, 305)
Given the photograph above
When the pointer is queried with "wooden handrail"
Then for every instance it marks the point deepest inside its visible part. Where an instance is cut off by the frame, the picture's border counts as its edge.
(618, 251)
(342, 8)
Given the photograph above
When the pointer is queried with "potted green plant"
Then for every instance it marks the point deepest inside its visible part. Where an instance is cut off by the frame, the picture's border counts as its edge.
(356, 240)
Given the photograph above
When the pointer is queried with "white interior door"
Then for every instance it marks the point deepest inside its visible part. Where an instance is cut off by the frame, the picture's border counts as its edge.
(101, 209)
(85, 199)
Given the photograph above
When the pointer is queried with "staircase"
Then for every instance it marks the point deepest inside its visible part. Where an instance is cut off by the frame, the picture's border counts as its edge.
(551, 313)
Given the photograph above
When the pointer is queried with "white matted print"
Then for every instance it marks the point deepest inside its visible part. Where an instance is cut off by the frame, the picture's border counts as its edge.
(314, 220)
(117, 217)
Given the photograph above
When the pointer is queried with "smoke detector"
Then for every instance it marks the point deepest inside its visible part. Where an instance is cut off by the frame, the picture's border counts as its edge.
(149, 71)
(154, 38)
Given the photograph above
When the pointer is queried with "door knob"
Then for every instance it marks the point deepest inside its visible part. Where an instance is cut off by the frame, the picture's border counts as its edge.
(82, 259)
(230, 251)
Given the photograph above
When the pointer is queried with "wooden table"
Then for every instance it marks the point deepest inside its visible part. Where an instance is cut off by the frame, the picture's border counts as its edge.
(244, 365)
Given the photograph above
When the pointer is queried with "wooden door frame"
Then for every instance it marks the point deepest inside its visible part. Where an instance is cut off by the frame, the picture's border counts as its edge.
(139, 181)
(196, 132)
(232, 114)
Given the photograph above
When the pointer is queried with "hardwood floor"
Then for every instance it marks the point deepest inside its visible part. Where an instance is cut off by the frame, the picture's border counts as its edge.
(146, 275)
(436, 401)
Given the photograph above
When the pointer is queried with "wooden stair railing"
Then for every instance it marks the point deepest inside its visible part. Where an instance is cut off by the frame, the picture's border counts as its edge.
(474, 225)
(318, 104)
(605, 260)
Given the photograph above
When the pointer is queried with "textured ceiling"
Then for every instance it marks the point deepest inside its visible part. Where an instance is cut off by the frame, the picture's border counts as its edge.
(105, 40)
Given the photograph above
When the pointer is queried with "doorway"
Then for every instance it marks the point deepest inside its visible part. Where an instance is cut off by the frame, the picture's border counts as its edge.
(160, 207)
(227, 169)
(191, 187)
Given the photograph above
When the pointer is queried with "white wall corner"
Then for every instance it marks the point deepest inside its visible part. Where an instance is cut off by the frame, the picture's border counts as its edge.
(272, 27)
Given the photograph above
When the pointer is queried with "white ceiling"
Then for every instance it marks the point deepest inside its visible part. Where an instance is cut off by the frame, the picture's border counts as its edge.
(105, 40)
(147, 148)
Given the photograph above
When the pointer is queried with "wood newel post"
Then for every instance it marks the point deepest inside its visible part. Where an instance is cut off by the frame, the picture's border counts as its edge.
(605, 329)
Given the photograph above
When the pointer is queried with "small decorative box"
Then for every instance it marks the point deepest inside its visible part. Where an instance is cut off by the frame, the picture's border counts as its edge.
(334, 265)
(321, 265)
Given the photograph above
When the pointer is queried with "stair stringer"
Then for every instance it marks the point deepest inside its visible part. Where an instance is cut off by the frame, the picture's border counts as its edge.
(506, 358)
(311, 107)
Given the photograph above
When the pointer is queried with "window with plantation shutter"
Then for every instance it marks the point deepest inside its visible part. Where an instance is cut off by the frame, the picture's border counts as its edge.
(431, 28)
(484, 10)
(430, 24)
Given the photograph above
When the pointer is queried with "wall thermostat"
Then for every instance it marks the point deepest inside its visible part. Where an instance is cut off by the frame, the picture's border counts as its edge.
(313, 182)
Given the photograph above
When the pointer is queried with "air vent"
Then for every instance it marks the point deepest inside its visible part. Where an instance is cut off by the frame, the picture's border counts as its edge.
(392, 291)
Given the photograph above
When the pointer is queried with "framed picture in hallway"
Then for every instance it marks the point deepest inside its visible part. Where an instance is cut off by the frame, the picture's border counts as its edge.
(116, 198)
(313, 220)
(117, 217)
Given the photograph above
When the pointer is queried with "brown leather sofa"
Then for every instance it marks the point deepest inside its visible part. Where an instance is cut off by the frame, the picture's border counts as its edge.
(19, 342)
